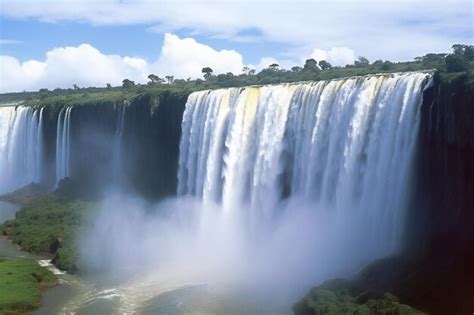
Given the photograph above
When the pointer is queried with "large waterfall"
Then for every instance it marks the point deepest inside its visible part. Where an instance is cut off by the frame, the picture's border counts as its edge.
(21, 149)
(341, 149)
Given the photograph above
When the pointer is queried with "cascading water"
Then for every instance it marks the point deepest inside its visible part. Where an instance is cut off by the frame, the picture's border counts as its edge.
(118, 143)
(21, 150)
(63, 136)
(341, 148)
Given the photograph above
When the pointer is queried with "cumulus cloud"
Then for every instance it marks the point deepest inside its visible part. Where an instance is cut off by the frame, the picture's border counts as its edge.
(336, 56)
(85, 66)
(186, 58)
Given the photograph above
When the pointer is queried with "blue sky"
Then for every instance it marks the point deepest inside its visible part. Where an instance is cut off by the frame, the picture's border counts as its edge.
(35, 38)
(53, 43)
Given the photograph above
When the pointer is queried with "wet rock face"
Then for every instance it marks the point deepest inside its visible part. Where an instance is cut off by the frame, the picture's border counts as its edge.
(442, 221)
(148, 159)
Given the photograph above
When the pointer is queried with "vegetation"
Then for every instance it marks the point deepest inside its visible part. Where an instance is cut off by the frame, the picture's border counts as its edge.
(461, 61)
(48, 225)
(21, 282)
(322, 301)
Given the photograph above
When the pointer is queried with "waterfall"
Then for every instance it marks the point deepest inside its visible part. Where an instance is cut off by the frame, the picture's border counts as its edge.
(21, 150)
(117, 149)
(341, 148)
(63, 136)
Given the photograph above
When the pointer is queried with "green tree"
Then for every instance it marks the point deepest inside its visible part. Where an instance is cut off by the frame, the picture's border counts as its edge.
(274, 66)
(170, 79)
(387, 65)
(179, 81)
(128, 84)
(324, 65)
(108, 86)
(207, 72)
(154, 79)
(456, 63)
(310, 65)
(296, 69)
(432, 60)
(378, 63)
(362, 61)
(466, 50)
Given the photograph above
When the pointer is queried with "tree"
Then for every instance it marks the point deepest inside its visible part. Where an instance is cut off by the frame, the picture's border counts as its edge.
(179, 81)
(246, 70)
(274, 66)
(296, 69)
(378, 63)
(154, 79)
(465, 50)
(456, 63)
(128, 84)
(207, 72)
(310, 65)
(387, 65)
(108, 86)
(362, 61)
(75, 87)
(170, 79)
(432, 60)
(323, 64)
(469, 53)
(252, 72)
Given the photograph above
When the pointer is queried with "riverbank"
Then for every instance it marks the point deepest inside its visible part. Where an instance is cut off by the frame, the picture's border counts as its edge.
(46, 224)
(22, 278)
(21, 282)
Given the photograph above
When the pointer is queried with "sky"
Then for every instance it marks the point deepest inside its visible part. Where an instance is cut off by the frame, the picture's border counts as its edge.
(49, 44)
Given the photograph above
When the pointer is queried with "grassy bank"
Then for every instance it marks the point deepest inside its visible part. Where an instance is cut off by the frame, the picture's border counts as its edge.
(21, 282)
(47, 224)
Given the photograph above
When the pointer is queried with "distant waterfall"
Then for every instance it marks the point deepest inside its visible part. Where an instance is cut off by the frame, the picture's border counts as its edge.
(21, 150)
(63, 137)
(117, 150)
(342, 147)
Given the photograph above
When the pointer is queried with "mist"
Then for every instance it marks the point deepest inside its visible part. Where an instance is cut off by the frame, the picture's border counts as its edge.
(185, 242)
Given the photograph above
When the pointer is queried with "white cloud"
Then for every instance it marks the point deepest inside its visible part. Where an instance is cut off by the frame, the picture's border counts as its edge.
(336, 56)
(185, 58)
(85, 66)
(396, 30)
